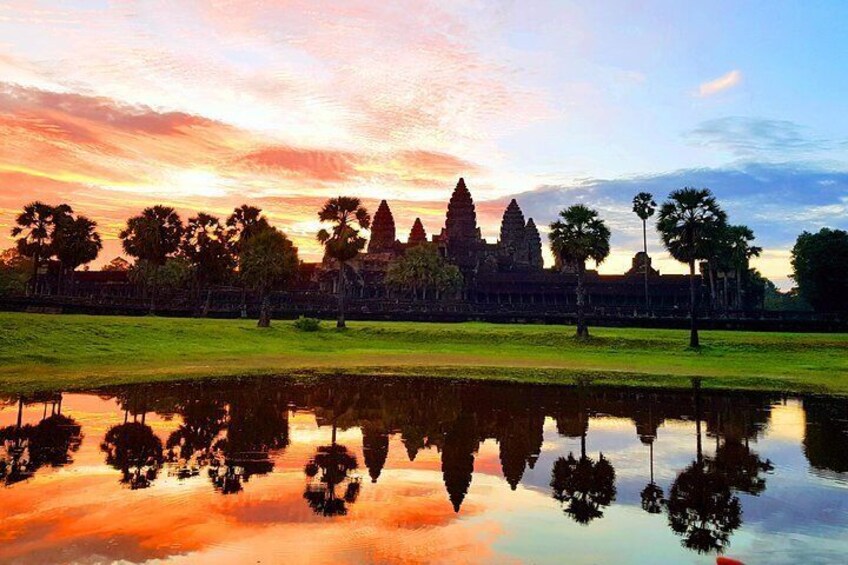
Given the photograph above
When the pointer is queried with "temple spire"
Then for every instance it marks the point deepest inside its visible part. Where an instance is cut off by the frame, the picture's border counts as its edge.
(417, 235)
(382, 229)
(534, 245)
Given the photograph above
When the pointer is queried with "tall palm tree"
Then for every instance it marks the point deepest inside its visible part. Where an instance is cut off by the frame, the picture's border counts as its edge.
(741, 251)
(343, 241)
(76, 242)
(579, 235)
(34, 230)
(688, 221)
(267, 259)
(644, 207)
(152, 237)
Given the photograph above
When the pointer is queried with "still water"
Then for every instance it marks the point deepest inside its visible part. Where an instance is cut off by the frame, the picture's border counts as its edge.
(363, 470)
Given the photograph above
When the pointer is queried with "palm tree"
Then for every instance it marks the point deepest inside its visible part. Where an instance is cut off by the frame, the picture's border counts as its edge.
(152, 237)
(34, 230)
(267, 259)
(343, 242)
(644, 207)
(741, 251)
(245, 222)
(579, 235)
(76, 242)
(688, 221)
(206, 246)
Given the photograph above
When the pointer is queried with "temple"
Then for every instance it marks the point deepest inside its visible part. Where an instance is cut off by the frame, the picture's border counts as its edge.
(509, 272)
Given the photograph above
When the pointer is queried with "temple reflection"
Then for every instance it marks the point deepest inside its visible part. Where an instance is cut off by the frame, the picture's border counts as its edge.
(231, 433)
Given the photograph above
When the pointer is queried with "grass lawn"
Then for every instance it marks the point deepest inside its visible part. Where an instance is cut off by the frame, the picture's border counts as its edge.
(54, 352)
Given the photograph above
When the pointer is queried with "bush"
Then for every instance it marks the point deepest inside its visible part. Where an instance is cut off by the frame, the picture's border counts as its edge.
(307, 324)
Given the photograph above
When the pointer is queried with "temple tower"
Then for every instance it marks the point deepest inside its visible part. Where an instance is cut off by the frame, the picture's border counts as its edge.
(382, 230)
(513, 244)
(461, 235)
(417, 235)
(534, 245)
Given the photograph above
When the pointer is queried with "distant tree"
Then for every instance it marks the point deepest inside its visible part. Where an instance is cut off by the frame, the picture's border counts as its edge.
(152, 237)
(76, 242)
(688, 222)
(118, 264)
(15, 271)
(343, 241)
(422, 269)
(34, 229)
(820, 268)
(579, 235)
(206, 246)
(775, 299)
(644, 207)
(741, 251)
(267, 259)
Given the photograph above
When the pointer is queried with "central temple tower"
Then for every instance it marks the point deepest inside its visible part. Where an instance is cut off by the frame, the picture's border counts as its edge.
(461, 235)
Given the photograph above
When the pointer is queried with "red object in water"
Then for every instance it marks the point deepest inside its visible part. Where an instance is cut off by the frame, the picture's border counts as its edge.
(727, 561)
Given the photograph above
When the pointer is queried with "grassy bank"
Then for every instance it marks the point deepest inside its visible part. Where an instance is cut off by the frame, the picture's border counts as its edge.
(42, 352)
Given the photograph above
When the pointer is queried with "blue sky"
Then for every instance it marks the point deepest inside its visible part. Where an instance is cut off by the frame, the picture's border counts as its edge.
(114, 106)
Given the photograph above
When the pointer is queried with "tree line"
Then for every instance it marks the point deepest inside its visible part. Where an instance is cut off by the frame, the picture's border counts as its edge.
(246, 250)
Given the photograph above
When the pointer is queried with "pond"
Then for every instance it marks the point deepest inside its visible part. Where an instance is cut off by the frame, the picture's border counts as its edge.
(359, 470)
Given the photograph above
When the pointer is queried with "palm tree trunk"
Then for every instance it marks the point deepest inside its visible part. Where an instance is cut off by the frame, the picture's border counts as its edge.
(154, 295)
(207, 304)
(713, 295)
(645, 265)
(264, 310)
(582, 328)
(738, 287)
(36, 259)
(693, 332)
(340, 323)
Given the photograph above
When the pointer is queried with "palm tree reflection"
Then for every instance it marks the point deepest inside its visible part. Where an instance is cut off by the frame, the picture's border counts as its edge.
(583, 486)
(329, 470)
(702, 508)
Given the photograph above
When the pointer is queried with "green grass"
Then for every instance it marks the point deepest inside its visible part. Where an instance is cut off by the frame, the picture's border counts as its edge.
(47, 352)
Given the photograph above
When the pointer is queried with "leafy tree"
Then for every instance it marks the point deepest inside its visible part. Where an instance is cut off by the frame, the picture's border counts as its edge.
(579, 235)
(688, 222)
(422, 269)
(644, 207)
(15, 271)
(741, 251)
(34, 229)
(152, 237)
(267, 259)
(174, 274)
(76, 242)
(819, 268)
(343, 241)
(206, 246)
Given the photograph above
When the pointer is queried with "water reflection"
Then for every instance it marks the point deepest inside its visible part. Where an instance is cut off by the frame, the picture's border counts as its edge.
(571, 444)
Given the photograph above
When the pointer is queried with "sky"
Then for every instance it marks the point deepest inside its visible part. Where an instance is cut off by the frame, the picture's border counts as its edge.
(114, 106)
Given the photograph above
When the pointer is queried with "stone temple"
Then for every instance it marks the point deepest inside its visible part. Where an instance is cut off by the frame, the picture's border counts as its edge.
(510, 271)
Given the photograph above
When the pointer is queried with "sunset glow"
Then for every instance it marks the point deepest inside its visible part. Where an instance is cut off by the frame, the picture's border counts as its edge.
(111, 107)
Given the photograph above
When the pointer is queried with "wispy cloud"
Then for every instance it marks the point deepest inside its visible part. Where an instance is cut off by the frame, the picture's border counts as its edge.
(720, 84)
(748, 137)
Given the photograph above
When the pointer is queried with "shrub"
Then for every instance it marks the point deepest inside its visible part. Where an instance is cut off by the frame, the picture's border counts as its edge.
(307, 324)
